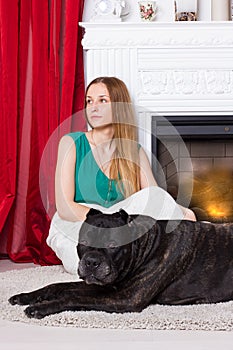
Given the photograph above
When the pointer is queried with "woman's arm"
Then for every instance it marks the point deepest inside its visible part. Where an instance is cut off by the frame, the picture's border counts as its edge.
(67, 208)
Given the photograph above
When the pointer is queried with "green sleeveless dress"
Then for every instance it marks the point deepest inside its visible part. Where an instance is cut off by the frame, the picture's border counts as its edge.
(91, 184)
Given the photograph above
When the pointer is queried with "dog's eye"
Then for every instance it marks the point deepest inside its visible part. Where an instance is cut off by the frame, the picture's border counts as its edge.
(83, 242)
(111, 244)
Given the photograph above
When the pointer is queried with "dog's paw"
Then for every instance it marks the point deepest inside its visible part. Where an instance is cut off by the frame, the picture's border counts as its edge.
(34, 312)
(18, 299)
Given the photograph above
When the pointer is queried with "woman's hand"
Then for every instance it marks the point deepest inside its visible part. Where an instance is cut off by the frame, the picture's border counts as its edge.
(188, 214)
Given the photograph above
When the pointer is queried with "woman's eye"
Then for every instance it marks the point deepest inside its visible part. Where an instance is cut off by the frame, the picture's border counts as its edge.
(103, 100)
(89, 102)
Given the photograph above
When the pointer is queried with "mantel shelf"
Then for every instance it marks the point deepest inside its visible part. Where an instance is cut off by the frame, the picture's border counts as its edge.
(157, 34)
(181, 24)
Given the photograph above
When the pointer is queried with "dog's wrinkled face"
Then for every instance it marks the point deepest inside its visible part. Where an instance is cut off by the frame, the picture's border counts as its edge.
(104, 247)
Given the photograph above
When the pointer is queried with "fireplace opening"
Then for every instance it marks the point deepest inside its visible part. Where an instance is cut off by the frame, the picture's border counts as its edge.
(193, 160)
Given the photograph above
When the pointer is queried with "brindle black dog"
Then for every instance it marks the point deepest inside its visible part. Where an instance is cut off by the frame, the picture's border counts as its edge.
(129, 262)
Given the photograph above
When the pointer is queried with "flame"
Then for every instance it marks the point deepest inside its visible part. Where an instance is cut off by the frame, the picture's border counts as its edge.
(215, 212)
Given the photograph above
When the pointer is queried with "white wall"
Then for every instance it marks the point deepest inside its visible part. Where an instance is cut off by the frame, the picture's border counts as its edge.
(165, 10)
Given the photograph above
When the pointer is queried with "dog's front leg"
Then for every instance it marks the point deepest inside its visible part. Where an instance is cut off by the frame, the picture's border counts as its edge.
(93, 299)
(47, 293)
(45, 308)
(81, 303)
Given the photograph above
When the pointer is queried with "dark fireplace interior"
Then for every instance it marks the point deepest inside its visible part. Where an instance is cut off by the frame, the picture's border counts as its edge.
(193, 161)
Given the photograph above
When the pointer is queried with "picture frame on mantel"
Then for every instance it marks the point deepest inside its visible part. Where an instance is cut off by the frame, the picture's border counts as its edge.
(207, 10)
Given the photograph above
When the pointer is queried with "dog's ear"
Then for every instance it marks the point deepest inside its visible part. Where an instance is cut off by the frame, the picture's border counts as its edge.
(93, 212)
(124, 215)
(128, 218)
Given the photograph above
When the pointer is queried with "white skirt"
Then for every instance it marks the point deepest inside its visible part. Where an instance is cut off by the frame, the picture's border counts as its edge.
(152, 201)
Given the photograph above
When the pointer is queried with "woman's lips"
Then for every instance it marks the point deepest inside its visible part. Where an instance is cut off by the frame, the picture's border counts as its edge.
(96, 116)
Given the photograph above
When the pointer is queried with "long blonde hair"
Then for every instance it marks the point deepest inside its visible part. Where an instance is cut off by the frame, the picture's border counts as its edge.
(125, 162)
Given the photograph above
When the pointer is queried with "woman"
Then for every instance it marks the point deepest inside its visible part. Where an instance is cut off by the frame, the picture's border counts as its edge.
(104, 168)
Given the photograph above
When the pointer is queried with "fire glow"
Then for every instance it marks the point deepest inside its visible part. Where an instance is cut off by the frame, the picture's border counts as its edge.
(216, 213)
(213, 193)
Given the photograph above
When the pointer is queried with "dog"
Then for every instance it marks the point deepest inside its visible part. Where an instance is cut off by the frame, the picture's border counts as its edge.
(128, 262)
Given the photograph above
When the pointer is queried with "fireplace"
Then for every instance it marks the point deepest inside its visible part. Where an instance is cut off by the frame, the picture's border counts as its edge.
(183, 71)
(193, 160)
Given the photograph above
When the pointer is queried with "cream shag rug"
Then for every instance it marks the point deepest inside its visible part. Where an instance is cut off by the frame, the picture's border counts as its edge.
(158, 317)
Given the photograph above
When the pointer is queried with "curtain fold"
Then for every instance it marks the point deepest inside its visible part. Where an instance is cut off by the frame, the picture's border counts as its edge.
(42, 86)
(8, 105)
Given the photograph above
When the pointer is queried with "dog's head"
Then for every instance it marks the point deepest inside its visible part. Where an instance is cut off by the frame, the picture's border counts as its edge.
(107, 245)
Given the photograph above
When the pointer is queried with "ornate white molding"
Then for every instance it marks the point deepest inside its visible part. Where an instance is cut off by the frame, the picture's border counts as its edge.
(160, 43)
(155, 34)
(177, 83)
(168, 63)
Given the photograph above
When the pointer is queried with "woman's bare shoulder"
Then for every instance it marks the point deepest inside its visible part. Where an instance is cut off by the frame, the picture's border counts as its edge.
(70, 139)
(65, 142)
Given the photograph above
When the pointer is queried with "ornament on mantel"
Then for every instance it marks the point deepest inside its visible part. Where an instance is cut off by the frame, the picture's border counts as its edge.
(232, 10)
(220, 10)
(110, 10)
(148, 10)
(185, 10)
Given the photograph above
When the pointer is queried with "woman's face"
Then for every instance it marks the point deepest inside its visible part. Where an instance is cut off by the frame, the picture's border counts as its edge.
(98, 106)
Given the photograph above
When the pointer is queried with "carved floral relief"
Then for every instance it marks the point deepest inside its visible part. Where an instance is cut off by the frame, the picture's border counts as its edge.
(187, 82)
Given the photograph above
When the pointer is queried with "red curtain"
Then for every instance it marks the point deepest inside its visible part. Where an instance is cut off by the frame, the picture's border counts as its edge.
(41, 86)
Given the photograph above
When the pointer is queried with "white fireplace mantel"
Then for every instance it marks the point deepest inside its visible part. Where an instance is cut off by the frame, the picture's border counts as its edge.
(169, 68)
(158, 34)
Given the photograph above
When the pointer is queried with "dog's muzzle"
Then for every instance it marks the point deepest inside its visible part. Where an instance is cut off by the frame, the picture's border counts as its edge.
(95, 268)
